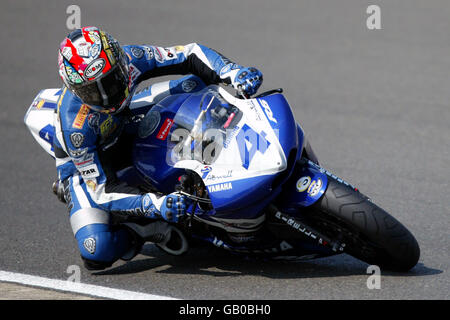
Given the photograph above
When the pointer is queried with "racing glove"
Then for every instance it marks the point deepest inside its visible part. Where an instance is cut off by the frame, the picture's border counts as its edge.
(248, 80)
(170, 207)
(245, 80)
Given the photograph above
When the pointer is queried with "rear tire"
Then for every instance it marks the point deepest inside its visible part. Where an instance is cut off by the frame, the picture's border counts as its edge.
(369, 232)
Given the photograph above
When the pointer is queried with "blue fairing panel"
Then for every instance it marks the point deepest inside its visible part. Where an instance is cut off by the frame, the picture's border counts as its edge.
(241, 194)
(306, 185)
(281, 118)
(151, 149)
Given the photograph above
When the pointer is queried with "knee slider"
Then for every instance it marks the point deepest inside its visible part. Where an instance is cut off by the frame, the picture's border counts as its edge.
(95, 265)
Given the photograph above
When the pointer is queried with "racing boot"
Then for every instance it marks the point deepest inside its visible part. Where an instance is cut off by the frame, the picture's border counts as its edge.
(58, 189)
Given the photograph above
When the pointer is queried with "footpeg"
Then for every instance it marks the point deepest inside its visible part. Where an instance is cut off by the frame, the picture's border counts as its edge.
(175, 244)
(165, 236)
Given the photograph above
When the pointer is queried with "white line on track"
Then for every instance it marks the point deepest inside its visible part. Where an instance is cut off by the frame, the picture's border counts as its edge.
(75, 287)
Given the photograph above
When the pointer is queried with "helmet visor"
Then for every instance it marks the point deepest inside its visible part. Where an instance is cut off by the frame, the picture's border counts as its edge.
(109, 90)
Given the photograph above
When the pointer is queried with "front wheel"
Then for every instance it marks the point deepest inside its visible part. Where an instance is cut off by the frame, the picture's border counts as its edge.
(369, 232)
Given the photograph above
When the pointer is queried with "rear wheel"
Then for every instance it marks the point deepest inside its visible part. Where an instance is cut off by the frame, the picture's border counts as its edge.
(369, 232)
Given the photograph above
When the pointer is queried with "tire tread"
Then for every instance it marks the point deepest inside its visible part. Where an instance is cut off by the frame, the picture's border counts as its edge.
(398, 248)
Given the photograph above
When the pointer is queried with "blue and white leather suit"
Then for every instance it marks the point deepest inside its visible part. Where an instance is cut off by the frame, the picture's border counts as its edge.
(85, 136)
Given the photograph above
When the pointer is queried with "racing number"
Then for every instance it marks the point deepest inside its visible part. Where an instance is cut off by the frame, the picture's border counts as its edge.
(46, 134)
(249, 142)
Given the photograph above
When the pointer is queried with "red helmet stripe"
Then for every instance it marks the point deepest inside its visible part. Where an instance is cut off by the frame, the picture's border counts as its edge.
(76, 60)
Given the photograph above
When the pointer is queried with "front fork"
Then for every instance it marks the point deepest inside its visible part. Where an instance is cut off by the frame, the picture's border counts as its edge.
(306, 230)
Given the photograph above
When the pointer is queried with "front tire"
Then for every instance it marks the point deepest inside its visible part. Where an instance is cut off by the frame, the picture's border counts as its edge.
(369, 232)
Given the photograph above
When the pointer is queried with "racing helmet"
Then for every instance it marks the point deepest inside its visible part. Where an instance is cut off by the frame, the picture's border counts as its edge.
(93, 66)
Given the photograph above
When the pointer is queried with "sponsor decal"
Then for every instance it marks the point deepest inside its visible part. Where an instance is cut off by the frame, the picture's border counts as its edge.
(35, 102)
(148, 208)
(104, 40)
(315, 187)
(213, 177)
(81, 117)
(89, 172)
(94, 68)
(111, 58)
(158, 55)
(267, 110)
(205, 171)
(134, 72)
(179, 48)
(77, 139)
(255, 110)
(83, 50)
(40, 104)
(91, 184)
(146, 203)
(230, 135)
(67, 53)
(227, 68)
(61, 97)
(303, 183)
(165, 128)
(220, 187)
(295, 224)
(72, 74)
(93, 121)
(95, 50)
(169, 54)
(107, 126)
(148, 53)
(84, 160)
(137, 52)
(299, 226)
(312, 187)
(93, 35)
(188, 85)
(89, 245)
(77, 153)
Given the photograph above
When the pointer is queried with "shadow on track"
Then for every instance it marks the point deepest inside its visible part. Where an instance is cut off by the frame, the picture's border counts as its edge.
(219, 263)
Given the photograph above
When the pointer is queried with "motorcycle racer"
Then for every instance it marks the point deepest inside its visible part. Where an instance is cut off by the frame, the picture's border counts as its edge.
(93, 123)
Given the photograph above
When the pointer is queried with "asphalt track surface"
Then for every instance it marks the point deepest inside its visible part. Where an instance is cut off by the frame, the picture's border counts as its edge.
(374, 103)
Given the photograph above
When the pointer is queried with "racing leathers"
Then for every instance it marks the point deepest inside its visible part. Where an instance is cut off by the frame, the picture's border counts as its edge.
(91, 146)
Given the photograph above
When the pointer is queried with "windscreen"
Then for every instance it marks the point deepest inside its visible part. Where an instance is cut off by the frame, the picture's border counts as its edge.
(201, 126)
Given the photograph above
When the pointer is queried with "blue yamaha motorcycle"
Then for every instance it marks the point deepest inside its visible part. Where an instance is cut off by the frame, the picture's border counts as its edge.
(255, 185)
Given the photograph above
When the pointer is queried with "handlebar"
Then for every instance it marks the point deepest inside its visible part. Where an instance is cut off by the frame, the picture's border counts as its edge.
(241, 93)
